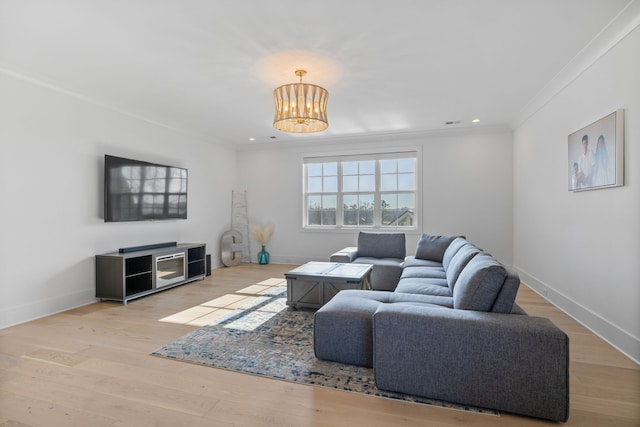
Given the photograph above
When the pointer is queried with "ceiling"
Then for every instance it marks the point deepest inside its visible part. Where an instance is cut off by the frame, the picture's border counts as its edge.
(208, 67)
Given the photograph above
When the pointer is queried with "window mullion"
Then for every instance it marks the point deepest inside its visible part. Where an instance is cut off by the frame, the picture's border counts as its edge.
(339, 199)
(377, 199)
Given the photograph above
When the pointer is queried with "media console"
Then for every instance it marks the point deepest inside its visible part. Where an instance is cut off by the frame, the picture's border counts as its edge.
(130, 274)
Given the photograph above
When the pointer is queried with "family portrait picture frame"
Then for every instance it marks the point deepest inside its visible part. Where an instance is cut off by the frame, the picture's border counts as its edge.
(596, 154)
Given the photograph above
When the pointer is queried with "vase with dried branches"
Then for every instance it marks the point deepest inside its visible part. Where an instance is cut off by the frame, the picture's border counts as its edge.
(262, 236)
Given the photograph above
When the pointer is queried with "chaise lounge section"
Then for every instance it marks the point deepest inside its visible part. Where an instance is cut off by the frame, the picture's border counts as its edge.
(451, 330)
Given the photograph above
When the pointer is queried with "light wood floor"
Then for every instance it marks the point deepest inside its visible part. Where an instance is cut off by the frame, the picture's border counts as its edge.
(91, 367)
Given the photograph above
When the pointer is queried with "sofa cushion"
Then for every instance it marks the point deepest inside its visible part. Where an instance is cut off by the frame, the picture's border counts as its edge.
(507, 296)
(412, 261)
(432, 247)
(437, 287)
(421, 298)
(382, 245)
(387, 262)
(459, 261)
(342, 328)
(434, 272)
(452, 249)
(385, 273)
(479, 284)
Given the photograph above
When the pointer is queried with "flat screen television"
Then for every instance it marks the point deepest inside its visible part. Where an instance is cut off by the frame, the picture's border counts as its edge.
(139, 191)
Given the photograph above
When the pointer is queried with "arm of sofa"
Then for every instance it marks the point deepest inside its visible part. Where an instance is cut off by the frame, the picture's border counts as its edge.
(345, 255)
(508, 362)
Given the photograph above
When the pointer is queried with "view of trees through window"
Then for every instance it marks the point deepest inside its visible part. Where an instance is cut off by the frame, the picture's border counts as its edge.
(351, 192)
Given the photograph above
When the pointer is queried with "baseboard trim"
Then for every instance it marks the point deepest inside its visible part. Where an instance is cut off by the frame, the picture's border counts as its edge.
(13, 316)
(618, 338)
(292, 260)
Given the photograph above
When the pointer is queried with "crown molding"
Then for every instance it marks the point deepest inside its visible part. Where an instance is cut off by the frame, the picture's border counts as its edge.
(93, 101)
(613, 33)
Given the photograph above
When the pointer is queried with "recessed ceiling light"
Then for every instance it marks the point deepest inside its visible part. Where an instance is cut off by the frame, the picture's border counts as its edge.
(252, 139)
(475, 120)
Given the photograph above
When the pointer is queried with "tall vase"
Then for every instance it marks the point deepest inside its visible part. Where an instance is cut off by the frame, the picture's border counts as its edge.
(263, 256)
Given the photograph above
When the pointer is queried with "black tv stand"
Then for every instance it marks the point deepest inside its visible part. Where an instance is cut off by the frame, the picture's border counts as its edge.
(142, 270)
(147, 247)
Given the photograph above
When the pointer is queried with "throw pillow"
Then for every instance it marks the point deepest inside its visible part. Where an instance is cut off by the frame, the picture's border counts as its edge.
(432, 247)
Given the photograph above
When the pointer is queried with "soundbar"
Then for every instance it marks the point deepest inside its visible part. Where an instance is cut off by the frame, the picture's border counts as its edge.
(147, 247)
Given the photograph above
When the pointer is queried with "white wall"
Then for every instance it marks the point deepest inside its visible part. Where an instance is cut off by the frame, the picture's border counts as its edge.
(466, 189)
(52, 147)
(582, 249)
(51, 154)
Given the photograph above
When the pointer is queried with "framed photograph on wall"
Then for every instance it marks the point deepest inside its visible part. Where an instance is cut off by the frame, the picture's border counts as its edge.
(596, 154)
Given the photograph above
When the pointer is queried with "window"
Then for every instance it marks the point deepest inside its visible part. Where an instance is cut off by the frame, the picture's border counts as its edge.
(372, 191)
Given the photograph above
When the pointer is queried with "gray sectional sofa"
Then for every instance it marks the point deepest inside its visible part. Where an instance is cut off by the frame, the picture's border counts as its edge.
(451, 330)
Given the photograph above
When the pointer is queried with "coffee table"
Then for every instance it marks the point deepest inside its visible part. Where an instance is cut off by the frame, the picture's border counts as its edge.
(313, 284)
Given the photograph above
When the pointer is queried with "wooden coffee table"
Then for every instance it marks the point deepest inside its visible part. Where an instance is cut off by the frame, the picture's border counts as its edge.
(313, 284)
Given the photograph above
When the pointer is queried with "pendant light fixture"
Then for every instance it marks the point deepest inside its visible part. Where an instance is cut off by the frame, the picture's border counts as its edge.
(300, 107)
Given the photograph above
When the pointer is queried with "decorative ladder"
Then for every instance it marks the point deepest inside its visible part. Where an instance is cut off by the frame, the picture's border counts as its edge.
(240, 221)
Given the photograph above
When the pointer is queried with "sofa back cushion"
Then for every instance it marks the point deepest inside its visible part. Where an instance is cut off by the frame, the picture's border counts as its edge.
(458, 262)
(381, 245)
(479, 284)
(432, 247)
(507, 296)
(452, 249)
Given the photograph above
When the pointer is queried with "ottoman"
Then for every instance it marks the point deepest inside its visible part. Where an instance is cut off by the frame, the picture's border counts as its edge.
(343, 328)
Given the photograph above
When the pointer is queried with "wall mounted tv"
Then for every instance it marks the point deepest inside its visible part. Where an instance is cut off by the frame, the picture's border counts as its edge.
(139, 191)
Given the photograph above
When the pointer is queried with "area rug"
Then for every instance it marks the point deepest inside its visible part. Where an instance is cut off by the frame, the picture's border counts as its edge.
(269, 339)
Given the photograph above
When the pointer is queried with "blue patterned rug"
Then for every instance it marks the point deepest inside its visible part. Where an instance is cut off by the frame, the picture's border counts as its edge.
(271, 340)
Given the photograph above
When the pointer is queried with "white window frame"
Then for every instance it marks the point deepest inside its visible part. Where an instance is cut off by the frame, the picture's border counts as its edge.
(412, 152)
